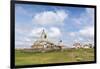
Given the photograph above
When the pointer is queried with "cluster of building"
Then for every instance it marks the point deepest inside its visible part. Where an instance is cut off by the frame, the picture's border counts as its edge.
(44, 44)
(79, 45)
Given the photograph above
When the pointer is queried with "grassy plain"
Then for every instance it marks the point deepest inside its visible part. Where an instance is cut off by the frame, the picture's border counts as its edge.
(68, 55)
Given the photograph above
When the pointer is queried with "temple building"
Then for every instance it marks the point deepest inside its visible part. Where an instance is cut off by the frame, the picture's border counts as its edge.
(44, 44)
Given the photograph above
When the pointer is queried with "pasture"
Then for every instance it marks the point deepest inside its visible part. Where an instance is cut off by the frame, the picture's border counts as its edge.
(68, 55)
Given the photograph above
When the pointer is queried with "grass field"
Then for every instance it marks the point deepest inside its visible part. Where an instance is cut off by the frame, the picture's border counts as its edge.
(68, 55)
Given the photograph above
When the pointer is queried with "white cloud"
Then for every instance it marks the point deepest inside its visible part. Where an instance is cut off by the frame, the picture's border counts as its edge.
(87, 32)
(51, 32)
(54, 32)
(90, 11)
(50, 17)
(36, 32)
(84, 34)
(26, 39)
(72, 34)
(85, 25)
(83, 22)
(20, 10)
(85, 18)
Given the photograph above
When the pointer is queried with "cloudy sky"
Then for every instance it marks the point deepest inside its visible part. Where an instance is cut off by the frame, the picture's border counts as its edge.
(69, 24)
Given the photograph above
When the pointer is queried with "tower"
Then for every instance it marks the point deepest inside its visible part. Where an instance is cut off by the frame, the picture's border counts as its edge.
(43, 35)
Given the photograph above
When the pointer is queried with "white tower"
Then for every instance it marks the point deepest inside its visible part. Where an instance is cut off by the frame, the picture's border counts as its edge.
(43, 35)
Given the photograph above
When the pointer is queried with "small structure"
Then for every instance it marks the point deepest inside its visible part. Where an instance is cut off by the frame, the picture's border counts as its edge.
(77, 45)
(88, 46)
(60, 45)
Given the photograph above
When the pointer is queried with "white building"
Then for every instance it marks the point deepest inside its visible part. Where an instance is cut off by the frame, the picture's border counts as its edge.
(77, 45)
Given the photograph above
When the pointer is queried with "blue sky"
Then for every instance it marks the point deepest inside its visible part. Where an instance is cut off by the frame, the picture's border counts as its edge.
(69, 24)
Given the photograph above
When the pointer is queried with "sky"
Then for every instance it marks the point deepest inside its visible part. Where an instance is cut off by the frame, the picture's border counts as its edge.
(69, 24)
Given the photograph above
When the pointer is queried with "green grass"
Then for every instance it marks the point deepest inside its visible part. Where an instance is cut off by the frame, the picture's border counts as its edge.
(68, 55)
